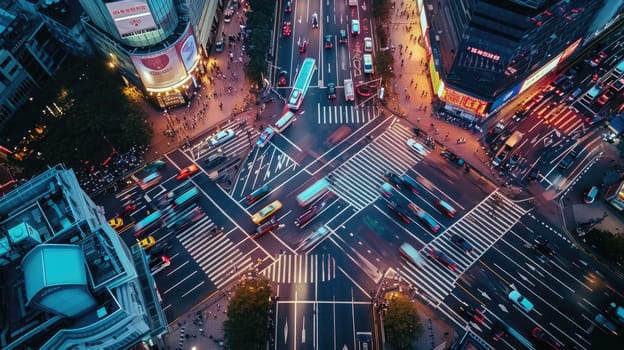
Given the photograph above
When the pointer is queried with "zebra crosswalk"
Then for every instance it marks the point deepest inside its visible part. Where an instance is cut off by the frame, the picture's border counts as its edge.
(311, 268)
(357, 180)
(345, 114)
(245, 135)
(217, 256)
(483, 226)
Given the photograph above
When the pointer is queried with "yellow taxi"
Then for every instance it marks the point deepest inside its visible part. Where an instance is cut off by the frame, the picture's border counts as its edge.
(147, 242)
(266, 212)
(116, 223)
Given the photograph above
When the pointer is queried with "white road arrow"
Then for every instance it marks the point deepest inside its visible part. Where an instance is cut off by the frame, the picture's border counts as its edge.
(286, 331)
(303, 331)
(484, 294)
(502, 307)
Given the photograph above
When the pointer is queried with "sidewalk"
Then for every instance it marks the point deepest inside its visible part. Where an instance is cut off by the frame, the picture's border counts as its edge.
(412, 96)
(224, 94)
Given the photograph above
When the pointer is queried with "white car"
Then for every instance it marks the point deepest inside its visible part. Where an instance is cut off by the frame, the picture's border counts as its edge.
(266, 135)
(520, 301)
(221, 137)
(368, 44)
(411, 143)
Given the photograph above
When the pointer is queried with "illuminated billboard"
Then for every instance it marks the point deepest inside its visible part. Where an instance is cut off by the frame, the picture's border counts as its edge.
(464, 101)
(508, 95)
(170, 66)
(160, 70)
(187, 48)
(535, 77)
(131, 16)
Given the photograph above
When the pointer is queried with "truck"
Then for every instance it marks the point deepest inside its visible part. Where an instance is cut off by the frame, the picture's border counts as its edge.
(504, 152)
(353, 3)
(348, 88)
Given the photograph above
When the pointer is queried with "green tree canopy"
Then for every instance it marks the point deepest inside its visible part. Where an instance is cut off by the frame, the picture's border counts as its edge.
(246, 327)
(84, 114)
(401, 322)
(608, 245)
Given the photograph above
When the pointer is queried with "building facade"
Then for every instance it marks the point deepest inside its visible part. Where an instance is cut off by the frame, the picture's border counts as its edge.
(68, 280)
(152, 43)
(485, 52)
(29, 56)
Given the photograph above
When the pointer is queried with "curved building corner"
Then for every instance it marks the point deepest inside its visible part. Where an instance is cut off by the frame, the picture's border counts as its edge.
(151, 43)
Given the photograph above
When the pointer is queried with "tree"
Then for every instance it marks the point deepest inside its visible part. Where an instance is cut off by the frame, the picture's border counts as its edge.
(381, 9)
(248, 313)
(85, 115)
(383, 65)
(401, 322)
(608, 245)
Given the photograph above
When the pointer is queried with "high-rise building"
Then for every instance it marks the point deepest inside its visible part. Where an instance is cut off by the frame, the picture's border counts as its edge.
(67, 280)
(485, 52)
(29, 56)
(151, 42)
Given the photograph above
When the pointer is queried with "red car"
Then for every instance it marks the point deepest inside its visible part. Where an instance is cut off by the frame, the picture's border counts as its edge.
(472, 313)
(187, 171)
(307, 216)
(303, 47)
(287, 29)
(281, 81)
(442, 258)
(604, 98)
(596, 61)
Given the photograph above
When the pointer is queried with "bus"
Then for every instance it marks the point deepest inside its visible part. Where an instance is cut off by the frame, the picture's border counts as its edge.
(186, 198)
(314, 192)
(147, 223)
(284, 121)
(300, 88)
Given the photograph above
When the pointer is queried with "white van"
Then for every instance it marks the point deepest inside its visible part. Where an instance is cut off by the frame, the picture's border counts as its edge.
(367, 60)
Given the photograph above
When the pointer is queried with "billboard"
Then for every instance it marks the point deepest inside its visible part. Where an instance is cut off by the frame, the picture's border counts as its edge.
(508, 95)
(131, 16)
(160, 70)
(464, 101)
(187, 48)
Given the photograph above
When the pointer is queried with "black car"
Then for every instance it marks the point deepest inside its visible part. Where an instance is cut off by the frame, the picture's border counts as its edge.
(307, 216)
(462, 243)
(544, 246)
(331, 91)
(568, 159)
(399, 210)
(449, 155)
(394, 179)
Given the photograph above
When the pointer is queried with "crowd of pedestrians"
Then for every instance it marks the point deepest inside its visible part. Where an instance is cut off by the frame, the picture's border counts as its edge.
(95, 177)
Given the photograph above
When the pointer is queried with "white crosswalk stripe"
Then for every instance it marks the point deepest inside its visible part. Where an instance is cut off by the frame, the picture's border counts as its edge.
(483, 226)
(357, 180)
(301, 269)
(345, 114)
(217, 256)
(239, 145)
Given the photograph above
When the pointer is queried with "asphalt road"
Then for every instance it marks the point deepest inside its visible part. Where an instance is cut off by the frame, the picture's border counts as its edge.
(327, 271)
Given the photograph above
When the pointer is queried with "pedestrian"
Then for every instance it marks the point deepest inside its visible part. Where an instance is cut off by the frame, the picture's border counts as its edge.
(404, 89)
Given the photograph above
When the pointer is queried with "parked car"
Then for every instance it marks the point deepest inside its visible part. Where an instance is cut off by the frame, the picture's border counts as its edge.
(522, 302)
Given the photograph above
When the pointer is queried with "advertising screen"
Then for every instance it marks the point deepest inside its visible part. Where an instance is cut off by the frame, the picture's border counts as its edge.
(464, 101)
(508, 95)
(535, 77)
(131, 16)
(160, 70)
(187, 48)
